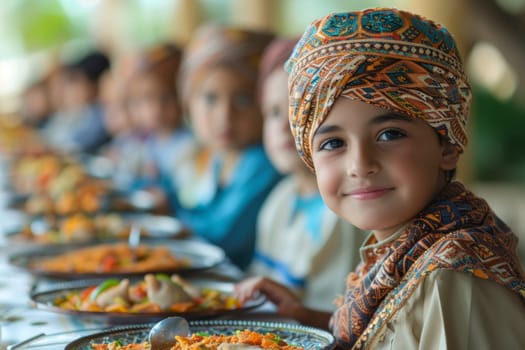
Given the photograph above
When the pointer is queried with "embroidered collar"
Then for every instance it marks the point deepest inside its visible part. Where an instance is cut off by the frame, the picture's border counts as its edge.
(373, 250)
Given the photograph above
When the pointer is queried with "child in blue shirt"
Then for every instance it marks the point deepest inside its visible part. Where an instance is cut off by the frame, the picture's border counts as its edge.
(219, 190)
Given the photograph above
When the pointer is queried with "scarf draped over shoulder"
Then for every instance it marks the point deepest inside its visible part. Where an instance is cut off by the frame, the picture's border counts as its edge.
(459, 232)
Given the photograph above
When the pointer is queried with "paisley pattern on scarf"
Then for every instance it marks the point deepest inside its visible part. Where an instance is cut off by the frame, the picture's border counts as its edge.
(386, 57)
(459, 232)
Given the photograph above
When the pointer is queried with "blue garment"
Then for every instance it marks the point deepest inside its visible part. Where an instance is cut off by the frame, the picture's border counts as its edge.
(228, 217)
(311, 207)
(91, 133)
(167, 152)
(159, 157)
(81, 130)
(280, 269)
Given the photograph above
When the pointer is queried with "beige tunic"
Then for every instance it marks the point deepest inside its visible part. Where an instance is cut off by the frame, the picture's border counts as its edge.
(455, 310)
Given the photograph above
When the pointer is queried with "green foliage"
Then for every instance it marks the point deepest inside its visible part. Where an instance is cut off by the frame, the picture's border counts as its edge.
(497, 142)
(43, 24)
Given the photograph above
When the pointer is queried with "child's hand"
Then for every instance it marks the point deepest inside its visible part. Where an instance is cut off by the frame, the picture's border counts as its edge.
(288, 304)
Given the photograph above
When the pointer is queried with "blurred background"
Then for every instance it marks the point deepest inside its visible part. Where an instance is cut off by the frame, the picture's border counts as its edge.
(35, 35)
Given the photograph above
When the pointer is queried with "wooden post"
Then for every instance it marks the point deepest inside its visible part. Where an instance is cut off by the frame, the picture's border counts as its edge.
(254, 14)
(107, 16)
(186, 19)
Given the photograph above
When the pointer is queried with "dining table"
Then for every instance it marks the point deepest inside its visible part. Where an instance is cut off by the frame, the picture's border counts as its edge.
(25, 326)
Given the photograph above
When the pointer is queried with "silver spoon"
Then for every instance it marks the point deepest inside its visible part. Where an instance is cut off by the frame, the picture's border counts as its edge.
(134, 240)
(162, 335)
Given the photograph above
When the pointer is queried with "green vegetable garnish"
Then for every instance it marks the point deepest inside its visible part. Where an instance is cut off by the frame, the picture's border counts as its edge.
(102, 287)
(163, 277)
(203, 334)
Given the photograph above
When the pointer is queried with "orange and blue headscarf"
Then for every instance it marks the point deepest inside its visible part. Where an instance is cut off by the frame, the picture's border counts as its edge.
(386, 57)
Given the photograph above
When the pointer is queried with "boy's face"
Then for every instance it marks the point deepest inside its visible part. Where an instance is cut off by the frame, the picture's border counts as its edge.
(224, 112)
(150, 106)
(378, 169)
(116, 118)
(77, 91)
(278, 139)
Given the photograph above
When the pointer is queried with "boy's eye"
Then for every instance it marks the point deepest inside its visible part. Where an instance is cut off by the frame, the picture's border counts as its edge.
(274, 112)
(391, 134)
(209, 98)
(243, 101)
(331, 144)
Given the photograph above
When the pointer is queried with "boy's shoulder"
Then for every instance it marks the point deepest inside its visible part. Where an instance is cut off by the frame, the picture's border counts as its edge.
(474, 255)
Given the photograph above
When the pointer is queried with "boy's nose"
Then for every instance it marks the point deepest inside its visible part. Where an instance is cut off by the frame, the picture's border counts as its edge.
(361, 162)
(225, 112)
(285, 123)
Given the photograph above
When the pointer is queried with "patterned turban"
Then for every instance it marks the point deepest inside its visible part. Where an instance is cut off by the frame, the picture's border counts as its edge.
(386, 57)
(215, 46)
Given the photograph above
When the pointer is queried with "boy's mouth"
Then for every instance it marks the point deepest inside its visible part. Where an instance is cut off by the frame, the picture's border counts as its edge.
(371, 192)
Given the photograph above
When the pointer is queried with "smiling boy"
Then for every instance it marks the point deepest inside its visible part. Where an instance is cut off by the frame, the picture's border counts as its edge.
(379, 105)
(378, 168)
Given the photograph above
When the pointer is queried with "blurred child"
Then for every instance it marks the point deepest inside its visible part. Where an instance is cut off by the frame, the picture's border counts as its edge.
(36, 104)
(125, 150)
(219, 193)
(154, 112)
(379, 105)
(300, 242)
(78, 125)
(113, 85)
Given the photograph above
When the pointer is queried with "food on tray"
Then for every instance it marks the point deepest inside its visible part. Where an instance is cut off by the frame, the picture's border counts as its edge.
(16, 139)
(57, 185)
(43, 172)
(155, 293)
(82, 228)
(117, 345)
(242, 339)
(86, 198)
(75, 228)
(111, 258)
